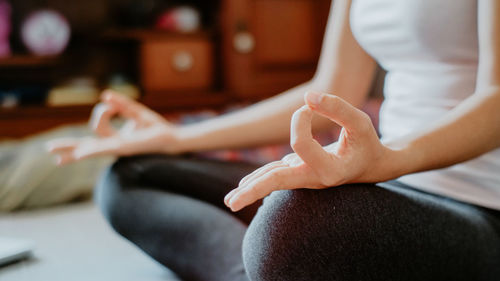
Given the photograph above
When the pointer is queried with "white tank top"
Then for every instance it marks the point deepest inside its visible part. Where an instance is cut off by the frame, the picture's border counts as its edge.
(430, 51)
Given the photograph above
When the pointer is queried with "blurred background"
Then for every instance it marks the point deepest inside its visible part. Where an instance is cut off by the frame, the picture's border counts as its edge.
(171, 54)
(187, 59)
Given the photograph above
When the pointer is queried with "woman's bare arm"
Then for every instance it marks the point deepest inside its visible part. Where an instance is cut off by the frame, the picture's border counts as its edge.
(467, 131)
(344, 69)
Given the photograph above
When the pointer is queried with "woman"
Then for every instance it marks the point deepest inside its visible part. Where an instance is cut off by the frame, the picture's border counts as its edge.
(336, 214)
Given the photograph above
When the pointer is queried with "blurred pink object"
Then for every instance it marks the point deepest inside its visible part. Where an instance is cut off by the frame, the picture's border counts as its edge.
(46, 32)
(181, 19)
(5, 28)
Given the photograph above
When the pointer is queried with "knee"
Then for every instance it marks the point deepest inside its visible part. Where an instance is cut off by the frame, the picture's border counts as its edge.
(276, 241)
(309, 234)
(111, 188)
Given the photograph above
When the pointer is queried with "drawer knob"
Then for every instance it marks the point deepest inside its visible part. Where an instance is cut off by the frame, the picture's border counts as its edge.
(244, 42)
(182, 61)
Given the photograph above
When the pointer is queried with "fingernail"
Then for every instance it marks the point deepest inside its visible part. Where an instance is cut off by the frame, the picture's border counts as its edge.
(314, 98)
(231, 203)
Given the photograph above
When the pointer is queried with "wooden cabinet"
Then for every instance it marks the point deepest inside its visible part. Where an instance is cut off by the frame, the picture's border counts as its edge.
(256, 49)
(286, 33)
(270, 45)
(178, 64)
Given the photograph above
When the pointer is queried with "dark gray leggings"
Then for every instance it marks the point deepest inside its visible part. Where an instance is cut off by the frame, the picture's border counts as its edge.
(172, 208)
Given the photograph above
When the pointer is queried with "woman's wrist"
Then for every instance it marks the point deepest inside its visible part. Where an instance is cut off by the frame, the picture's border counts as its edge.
(399, 160)
(186, 138)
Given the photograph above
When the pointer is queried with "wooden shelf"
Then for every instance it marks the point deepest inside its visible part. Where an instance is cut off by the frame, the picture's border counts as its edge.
(28, 61)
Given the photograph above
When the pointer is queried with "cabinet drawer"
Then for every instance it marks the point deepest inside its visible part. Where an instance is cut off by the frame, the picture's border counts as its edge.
(180, 64)
(286, 32)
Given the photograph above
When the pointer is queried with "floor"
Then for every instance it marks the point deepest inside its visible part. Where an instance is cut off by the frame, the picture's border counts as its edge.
(73, 242)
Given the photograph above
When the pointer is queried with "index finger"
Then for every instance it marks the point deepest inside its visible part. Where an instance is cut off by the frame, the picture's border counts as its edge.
(336, 109)
(278, 179)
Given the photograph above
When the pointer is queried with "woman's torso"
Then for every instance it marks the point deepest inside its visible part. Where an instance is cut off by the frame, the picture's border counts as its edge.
(430, 51)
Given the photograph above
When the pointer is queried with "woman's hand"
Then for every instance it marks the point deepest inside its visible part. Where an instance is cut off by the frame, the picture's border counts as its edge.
(144, 131)
(358, 155)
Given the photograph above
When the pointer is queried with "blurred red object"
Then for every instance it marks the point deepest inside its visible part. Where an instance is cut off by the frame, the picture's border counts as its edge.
(180, 19)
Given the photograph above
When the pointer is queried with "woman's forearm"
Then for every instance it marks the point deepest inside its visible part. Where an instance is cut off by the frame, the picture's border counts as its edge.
(262, 123)
(268, 121)
(469, 130)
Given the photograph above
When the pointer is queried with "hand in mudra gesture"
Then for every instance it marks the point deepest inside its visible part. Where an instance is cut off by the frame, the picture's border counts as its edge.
(144, 131)
(358, 155)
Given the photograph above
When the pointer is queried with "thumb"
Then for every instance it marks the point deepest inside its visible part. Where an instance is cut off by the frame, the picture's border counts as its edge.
(303, 143)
